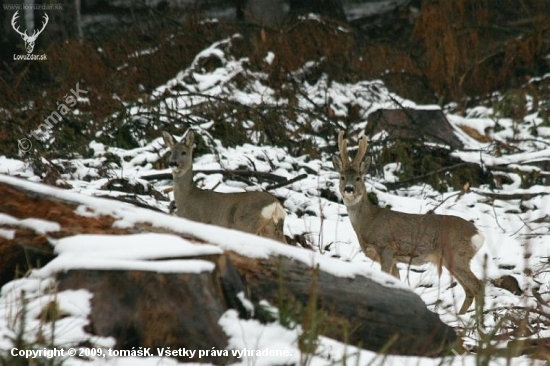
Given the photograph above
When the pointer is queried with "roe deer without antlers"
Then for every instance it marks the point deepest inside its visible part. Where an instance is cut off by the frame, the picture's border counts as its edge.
(253, 212)
(389, 236)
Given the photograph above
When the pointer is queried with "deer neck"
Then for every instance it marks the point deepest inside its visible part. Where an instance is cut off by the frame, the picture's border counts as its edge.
(360, 209)
(183, 186)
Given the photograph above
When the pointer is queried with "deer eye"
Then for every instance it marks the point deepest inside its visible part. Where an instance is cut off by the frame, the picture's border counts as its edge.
(184, 153)
(357, 179)
(341, 178)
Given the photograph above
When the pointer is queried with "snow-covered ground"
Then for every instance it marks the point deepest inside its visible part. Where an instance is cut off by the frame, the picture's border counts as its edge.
(516, 231)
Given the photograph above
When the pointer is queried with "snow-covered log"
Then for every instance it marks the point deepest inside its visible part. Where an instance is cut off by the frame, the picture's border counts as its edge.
(360, 309)
(160, 280)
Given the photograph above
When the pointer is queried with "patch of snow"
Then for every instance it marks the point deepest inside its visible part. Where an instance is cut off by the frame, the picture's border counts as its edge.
(66, 263)
(269, 58)
(136, 246)
(39, 226)
(7, 234)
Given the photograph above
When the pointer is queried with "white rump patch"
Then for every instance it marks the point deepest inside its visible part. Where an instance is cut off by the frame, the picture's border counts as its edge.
(274, 212)
(477, 241)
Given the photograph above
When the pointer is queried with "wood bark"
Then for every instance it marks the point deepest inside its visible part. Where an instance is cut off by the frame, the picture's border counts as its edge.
(413, 124)
(361, 310)
(159, 310)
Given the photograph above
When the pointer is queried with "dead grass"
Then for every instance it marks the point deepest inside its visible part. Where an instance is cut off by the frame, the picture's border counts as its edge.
(472, 47)
(455, 52)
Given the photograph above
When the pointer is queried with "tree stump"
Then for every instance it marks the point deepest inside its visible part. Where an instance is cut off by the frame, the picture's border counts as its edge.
(414, 125)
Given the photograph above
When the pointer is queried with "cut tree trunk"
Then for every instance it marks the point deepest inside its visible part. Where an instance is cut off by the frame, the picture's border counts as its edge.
(429, 125)
(160, 310)
(148, 309)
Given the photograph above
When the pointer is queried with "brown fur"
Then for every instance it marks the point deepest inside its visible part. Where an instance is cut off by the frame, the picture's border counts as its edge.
(389, 236)
(239, 211)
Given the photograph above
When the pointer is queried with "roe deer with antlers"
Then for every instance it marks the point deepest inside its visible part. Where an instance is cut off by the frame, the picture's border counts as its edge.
(389, 236)
(258, 213)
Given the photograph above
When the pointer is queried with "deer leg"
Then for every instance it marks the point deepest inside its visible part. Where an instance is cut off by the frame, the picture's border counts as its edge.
(271, 222)
(279, 231)
(272, 230)
(387, 263)
(469, 283)
(395, 271)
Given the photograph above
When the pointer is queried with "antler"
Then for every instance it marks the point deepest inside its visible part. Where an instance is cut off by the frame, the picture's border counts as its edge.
(361, 151)
(43, 26)
(13, 19)
(343, 147)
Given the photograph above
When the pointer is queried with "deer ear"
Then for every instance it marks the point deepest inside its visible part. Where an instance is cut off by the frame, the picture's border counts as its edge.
(365, 164)
(189, 138)
(168, 139)
(337, 163)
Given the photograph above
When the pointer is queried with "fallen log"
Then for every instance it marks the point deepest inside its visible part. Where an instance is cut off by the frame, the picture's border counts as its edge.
(380, 313)
(359, 309)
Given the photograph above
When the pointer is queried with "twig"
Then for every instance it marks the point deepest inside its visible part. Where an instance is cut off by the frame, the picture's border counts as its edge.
(132, 199)
(512, 196)
(524, 223)
(496, 218)
(285, 183)
(534, 140)
(225, 173)
(159, 176)
(518, 230)
(461, 193)
(507, 169)
(413, 179)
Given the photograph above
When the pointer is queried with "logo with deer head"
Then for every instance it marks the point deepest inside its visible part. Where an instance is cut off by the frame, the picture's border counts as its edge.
(29, 40)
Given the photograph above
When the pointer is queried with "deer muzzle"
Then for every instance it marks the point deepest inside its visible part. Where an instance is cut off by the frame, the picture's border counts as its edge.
(349, 189)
